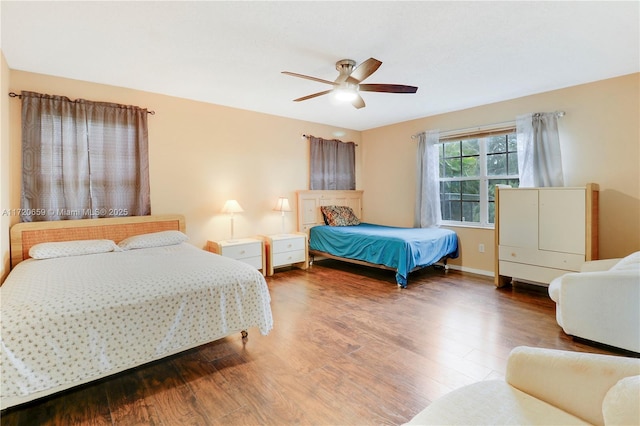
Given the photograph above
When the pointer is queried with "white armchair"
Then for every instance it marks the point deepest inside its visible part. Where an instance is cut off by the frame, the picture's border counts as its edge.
(546, 387)
(602, 302)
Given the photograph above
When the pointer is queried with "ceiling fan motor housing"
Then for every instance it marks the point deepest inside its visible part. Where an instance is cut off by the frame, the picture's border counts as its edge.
(345, 66)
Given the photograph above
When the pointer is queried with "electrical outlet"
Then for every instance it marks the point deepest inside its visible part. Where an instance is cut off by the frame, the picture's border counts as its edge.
(481, 248)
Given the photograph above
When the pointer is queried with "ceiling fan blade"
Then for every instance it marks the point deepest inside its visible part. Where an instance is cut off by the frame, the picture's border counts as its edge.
(293, 74)
(358, 102)
(365, 69)
(388, 88)
(304, 98)
(342, 78)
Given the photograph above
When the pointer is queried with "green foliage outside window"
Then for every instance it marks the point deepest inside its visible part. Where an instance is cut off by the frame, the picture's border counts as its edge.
(467, 165)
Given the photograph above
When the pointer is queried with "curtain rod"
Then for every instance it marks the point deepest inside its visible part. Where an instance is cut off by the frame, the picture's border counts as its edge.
(485, 127)
(305, 136)
(15, 95)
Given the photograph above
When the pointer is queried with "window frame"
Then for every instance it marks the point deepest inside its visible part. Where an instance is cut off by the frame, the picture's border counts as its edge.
(482, 134)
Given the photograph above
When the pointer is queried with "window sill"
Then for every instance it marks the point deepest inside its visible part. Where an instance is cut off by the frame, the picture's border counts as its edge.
(467, 225)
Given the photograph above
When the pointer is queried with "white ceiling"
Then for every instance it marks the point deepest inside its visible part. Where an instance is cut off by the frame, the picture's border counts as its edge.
(459, 54)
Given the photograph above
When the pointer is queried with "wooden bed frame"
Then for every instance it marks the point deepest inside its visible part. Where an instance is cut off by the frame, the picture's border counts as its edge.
(27, 234)
(309, 215)
(309, 203)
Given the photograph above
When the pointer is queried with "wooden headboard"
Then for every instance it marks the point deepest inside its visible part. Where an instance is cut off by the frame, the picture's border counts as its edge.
(309, 203)
(27, 234)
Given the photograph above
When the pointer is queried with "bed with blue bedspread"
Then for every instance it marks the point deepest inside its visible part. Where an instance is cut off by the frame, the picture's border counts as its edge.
(401, 249)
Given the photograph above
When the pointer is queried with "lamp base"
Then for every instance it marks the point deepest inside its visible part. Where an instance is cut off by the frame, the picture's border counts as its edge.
(232, 240)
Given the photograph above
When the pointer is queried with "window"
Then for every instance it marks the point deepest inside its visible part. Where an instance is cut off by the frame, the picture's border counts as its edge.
(332, 164)
(470, 168)
(82, 159)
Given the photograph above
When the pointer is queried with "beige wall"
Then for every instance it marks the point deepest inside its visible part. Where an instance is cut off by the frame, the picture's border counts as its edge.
(5, 182)
(600, 142)
(201, 155)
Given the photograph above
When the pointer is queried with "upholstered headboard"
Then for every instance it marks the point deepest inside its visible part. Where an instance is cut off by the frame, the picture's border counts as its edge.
(27, 234)
(310, 201)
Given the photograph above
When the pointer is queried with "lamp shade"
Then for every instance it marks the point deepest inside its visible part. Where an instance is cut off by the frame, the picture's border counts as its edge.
(232, 206)
(282, 205)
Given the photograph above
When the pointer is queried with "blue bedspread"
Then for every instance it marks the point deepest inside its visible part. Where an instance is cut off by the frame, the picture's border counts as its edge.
(400, 248)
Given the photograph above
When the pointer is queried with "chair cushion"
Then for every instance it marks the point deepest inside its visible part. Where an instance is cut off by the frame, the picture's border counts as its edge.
(492, 402)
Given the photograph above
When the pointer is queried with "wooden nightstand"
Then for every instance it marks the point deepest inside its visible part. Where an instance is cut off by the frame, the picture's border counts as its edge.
(286, 249)
(247, 250)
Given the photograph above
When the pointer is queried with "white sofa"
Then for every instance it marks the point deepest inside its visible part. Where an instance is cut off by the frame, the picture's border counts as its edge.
(546, 387)
(602, 302)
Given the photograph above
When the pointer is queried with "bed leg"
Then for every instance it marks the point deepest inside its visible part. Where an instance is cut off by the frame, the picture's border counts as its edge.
(444, 264)
(244, 334)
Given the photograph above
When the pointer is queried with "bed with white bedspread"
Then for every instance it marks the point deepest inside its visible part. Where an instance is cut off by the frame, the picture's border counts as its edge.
(73, 319)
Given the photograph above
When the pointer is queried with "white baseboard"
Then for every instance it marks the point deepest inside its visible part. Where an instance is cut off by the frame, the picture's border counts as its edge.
(491, 274)
(471, 270)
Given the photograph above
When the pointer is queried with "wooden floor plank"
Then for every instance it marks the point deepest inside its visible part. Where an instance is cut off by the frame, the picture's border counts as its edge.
(204, 380)
(260, 389)
(85, 405)
(173, 400)
(348, 347)
(126, 395)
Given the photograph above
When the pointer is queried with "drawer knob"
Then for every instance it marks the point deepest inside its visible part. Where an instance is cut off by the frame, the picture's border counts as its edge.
(513, 255)
(242, 252)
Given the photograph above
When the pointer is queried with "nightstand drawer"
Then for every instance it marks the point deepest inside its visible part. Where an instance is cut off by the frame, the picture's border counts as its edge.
(255, 261)
(288, 257)
(288, 244)
(246, 250)
(243, 251)
(286, 249)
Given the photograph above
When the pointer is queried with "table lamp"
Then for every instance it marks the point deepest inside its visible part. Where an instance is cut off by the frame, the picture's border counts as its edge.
(231, 207)
(282, 206)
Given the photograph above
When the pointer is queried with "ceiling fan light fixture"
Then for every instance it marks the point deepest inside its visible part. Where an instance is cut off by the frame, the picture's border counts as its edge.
(346, 93)
(348, 85)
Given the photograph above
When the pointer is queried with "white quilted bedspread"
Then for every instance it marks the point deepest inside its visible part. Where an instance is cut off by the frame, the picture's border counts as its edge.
(69, 320)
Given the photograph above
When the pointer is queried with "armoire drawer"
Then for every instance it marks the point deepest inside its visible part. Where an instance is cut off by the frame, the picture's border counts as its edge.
(550, 259)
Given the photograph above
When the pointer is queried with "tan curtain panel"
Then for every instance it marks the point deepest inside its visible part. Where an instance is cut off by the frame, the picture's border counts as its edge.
(83, 159)
(333, 164)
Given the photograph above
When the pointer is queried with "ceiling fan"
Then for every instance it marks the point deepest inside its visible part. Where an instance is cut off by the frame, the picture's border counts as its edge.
(349, 82)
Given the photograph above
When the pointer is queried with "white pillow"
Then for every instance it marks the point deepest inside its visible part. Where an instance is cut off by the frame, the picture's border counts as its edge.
(71, 248)
(155, 239)
(621, 404)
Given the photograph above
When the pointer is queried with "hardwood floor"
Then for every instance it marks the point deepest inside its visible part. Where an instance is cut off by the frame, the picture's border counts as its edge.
(348, 347)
